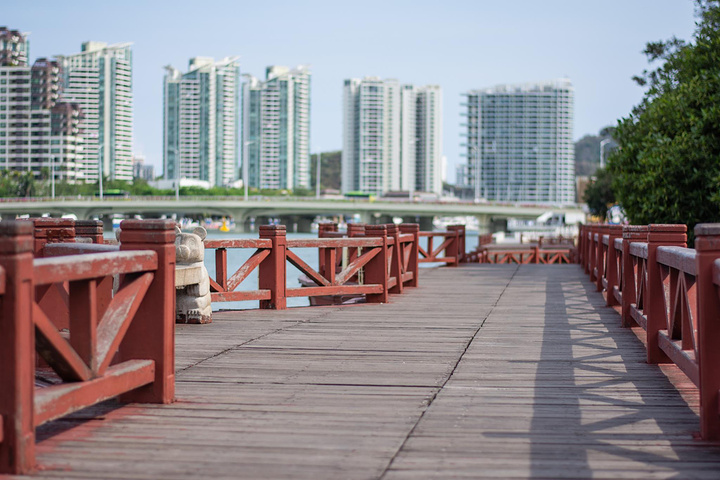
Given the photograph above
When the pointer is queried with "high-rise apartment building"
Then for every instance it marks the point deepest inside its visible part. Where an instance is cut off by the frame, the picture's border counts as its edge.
(99, 81)
(276, 128)
(392, 137)
(37, 130)
(520, 142)
(201, 120)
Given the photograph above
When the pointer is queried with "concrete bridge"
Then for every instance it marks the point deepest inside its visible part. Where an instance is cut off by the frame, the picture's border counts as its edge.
(292, 210)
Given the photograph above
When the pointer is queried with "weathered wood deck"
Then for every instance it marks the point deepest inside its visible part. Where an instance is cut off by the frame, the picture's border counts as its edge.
(483, 371)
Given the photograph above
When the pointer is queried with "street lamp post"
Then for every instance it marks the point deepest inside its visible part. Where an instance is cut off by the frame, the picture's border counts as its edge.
(317, 175)
(246, 154)
(100, 170)
(602, 151)
(52, 177)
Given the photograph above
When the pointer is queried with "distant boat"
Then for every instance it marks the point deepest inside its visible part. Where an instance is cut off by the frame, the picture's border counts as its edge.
(224, 227)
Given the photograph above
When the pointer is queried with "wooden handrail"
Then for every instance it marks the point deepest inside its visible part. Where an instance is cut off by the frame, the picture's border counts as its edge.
(121, 345)
(671, 292)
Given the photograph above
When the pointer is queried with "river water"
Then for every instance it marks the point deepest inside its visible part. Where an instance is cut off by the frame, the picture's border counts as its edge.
(236, 257)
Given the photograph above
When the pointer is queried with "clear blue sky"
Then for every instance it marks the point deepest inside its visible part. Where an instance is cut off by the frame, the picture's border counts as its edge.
(460, 45)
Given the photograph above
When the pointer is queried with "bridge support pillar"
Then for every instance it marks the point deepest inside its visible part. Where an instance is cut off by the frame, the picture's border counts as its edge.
(426, 224)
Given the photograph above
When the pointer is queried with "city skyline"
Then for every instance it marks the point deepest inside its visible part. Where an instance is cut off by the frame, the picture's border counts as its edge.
(461, 46)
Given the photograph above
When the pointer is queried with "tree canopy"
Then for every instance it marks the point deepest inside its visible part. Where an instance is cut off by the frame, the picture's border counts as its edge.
(667, 169)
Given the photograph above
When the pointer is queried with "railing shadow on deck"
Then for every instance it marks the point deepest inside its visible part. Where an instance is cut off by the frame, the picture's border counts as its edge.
(574, 316)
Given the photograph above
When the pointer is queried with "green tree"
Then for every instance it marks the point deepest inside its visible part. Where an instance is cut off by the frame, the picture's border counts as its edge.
(667, 169)
(599, 195)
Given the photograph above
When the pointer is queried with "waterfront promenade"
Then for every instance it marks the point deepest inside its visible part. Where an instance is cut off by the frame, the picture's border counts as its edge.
(483, 371)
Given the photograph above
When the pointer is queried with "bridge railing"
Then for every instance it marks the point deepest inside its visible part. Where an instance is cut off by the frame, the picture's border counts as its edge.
(369, 260)
(124, 347)
(450, 250)
(669, 291)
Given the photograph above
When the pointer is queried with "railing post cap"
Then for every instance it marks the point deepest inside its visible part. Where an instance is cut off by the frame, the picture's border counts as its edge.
(635, 232)
(382, 228)
(16, 236)
(409, 227)
(392, 228)
(147, 231)
(707, 229)
(707, 237)
(48, 222)
(667, 228)
(272, 231)
(662, 233)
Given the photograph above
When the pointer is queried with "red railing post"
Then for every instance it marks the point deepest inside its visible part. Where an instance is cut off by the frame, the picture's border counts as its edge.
(631, 233)
(453, 248)
(376, 271)
(393, 232)
(52, 230)
(271, 272)
(151, 334)
(535, 254)
(17, 349)
(590, 250)
(323, 229)
(665, 235)
(614, 231)
(355, 230)
(460, 239)
(53, 298)
(599, 266)
(413, 263)
(707, 247)
(92, 230)
(580, 256)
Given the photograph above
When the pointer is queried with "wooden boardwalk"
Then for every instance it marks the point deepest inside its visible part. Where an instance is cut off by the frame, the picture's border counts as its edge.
(487, 371)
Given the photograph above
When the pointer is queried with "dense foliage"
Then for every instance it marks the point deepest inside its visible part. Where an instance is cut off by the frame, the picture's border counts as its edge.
(599, 195)
(667, 169)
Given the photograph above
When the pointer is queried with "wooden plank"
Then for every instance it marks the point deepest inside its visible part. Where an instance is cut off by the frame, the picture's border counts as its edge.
(240, 296)
(333, 290)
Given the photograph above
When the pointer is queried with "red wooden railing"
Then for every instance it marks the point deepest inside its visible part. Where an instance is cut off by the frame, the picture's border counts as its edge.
(386, 256)
(528, 255)
(122, 347)
(671, 292)
(451, 249)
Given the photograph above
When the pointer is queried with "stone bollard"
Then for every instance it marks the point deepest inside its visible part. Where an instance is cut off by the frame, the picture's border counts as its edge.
(192, 282)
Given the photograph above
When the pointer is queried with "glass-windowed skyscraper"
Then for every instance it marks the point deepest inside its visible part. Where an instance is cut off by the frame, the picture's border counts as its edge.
(276, 128)
(201, 120)
(99, 81)
(520, 142)
(392, 137)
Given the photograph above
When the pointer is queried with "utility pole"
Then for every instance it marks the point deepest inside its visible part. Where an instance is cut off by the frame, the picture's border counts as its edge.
(317, 175)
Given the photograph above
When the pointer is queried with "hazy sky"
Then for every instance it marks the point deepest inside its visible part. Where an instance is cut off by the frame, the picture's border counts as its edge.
(460, 45)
